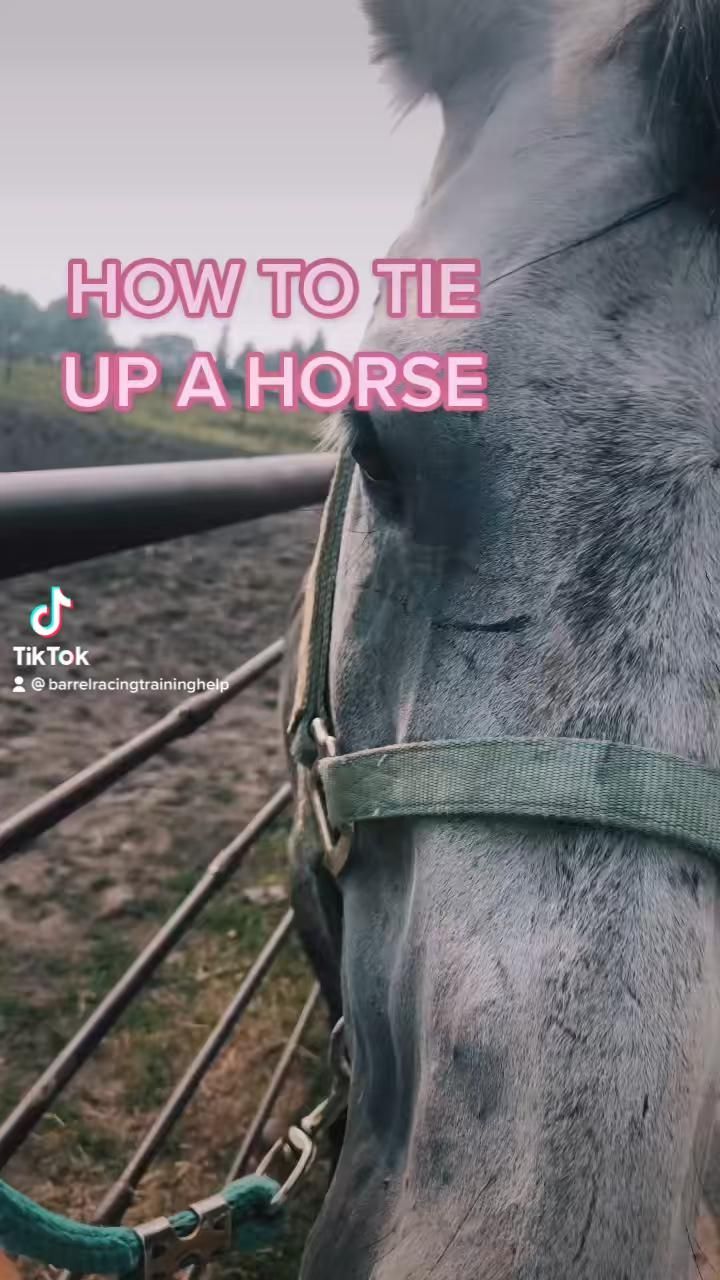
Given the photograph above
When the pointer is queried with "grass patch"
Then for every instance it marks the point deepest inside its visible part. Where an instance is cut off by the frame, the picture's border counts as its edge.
(17, 1016)
(98, 1146)
(37, 388)
(90, 1133)
(150, 1076)
(110, 955)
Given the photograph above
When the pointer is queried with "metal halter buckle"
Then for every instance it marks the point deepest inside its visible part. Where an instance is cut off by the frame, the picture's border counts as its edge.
(165, 1252)
(336, 844)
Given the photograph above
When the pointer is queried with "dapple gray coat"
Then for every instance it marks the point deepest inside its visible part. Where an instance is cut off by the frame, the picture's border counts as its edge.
(532, 1010)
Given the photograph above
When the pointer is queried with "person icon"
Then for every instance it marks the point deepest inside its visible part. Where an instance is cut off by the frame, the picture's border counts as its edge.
(19, 684)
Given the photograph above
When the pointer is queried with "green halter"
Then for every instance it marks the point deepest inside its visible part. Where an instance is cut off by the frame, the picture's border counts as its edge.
(604, 784)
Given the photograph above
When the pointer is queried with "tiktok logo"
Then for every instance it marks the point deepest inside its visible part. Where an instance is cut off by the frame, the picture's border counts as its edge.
(46, 619)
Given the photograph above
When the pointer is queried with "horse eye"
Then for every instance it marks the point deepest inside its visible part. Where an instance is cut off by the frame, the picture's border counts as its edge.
(368, 453)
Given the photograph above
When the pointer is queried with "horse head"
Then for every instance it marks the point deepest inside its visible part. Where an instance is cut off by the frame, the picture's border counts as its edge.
(531, 1005)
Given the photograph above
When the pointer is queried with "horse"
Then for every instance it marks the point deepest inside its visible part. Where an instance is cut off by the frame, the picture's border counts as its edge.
(530, 1004)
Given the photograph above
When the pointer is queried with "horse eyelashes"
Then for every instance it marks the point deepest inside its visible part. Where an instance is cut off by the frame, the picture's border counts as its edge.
(368, 453)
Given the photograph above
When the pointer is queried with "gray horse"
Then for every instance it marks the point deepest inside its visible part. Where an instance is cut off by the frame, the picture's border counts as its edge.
(532, 1008)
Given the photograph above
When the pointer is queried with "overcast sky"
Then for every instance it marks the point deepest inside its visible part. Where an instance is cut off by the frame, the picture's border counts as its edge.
(232, 128)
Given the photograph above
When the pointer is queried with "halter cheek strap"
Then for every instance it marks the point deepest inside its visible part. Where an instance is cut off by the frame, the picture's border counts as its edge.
(311, 691)
(603, 784)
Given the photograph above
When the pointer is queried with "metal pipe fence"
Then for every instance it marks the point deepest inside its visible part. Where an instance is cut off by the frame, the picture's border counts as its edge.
(240, 1163)
(120, 1195)
(68, 1062)
(55, 510)
(192, 714)
(51, 518)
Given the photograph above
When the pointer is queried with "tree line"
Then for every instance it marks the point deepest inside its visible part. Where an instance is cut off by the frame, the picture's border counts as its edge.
(29, 332)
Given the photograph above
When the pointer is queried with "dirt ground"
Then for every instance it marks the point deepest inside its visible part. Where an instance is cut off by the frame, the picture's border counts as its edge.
(79, 903)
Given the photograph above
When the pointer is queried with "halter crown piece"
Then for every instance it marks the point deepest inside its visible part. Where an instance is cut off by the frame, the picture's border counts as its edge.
(602, 784)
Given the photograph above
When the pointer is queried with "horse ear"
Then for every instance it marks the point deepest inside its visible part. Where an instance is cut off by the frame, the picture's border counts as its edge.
(432, 43)
(675, 47)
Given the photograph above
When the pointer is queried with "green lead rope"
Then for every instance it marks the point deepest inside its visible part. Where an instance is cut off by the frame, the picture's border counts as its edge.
(27, 1230)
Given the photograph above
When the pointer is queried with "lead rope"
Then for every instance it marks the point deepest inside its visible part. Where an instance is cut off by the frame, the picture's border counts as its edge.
(246, 1216)
(241, 1217)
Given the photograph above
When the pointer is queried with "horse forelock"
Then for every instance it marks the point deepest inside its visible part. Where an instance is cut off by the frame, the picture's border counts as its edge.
(434, 44)
(672, 46)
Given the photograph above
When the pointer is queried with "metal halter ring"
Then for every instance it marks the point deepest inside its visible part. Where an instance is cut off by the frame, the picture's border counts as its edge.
(300, 1143)
(297, 1145)
(336, 844)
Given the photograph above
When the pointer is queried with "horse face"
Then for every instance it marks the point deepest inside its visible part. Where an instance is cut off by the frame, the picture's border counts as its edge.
(532, 1010)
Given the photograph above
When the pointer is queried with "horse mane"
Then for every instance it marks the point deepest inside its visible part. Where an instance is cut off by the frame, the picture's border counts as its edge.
(673, 46)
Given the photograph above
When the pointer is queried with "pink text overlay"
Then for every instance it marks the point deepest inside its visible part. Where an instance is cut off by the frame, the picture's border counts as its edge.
(325, 288)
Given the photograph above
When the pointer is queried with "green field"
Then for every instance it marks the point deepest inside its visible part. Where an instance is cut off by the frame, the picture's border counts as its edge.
(36, 388)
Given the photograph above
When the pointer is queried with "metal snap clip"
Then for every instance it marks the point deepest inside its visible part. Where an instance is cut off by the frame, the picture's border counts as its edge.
(297, 1146)
(165, 1252)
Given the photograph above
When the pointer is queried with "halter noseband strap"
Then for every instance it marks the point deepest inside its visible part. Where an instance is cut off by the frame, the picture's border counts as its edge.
(604, 784)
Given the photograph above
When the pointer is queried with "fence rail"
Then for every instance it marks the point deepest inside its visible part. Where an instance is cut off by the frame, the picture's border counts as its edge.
(192, 714)
(120, 1196)
(56, 511)
(51, 518)
(68, 1062)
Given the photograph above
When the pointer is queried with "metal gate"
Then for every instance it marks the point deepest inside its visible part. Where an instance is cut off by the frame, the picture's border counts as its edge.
(52, 518)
